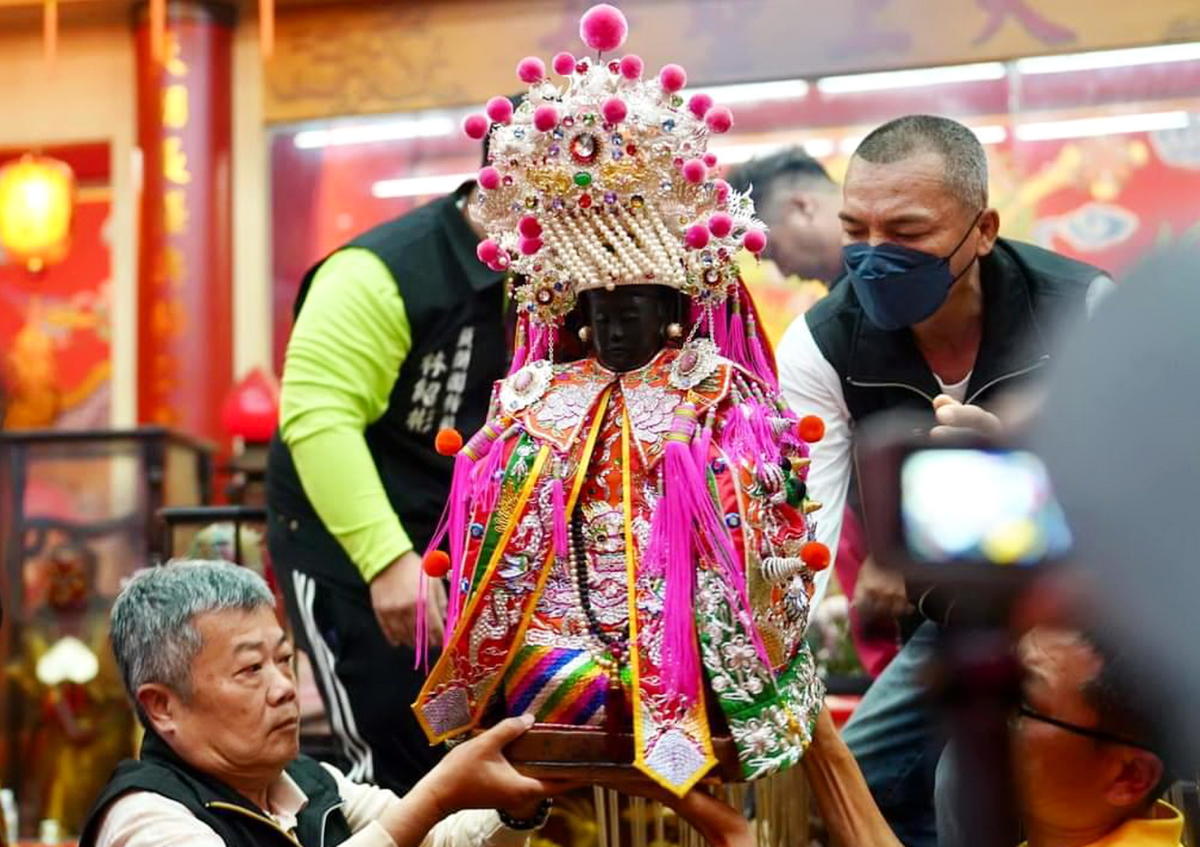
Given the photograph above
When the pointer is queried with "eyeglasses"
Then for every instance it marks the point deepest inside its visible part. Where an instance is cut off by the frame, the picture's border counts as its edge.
(1026, 711)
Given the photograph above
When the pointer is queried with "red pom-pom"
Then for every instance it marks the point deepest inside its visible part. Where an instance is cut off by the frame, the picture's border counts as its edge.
(475, 126)
(699, 105)
(531, 69)
(721, 189)
(720, 224)
(603, 27)
(529, 246)
(755, 240)
(710, 159)
(545, 118)
(499, 109)
(500, 264)
(815, 556)
(719, 119)
(489, 178)
(632, 67)
(614, 110)
(672, 78)
(696, 236)
(811, 428)
(695, 171)
(487, 251)
(436, 563)
(448, 441)
(563, 64)
(529, 227)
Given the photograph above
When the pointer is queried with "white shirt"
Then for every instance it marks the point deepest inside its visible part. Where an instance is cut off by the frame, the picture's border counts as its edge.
(811, 387)
(146, 819)
(957, 390)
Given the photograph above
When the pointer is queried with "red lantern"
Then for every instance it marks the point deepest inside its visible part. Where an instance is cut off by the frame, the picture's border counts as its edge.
(37, 197)
(251, 409)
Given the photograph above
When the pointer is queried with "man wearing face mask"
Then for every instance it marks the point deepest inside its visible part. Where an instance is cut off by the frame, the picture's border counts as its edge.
(943, 315)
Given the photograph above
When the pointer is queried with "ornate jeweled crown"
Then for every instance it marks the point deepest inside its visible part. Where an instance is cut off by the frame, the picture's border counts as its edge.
(606, 181)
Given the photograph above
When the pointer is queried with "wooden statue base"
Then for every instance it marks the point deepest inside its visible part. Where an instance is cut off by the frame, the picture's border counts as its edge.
(595, 755)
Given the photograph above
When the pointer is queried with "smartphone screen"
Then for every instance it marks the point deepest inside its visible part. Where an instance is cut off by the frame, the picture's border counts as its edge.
(980, 505)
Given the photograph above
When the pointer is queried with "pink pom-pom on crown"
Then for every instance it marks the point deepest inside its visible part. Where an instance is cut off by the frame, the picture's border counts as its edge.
(487, 251)
(696, 236)
(710, 159)
(632, 67)
(500, 263)
(531, 69)
(695, 171)
(545, 118)
(614, 110)
(489, 178)
(755, 240)
(475, 126)
(720, 224)
(721, 189)
(563, 63)
(529, 227)
(699, 104)
(499, 109)
(672, 77)
(719, 119)
(603, 27)
(529, 246)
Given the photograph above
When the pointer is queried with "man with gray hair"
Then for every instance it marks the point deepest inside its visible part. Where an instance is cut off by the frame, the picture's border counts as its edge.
(211, 675)
(935, 313)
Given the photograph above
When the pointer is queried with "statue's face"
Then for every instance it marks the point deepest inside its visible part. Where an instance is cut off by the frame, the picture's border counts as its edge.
(628, 324)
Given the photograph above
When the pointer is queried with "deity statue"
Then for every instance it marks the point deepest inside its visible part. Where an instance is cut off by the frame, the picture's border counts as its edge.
(77, 724)
(631, 547)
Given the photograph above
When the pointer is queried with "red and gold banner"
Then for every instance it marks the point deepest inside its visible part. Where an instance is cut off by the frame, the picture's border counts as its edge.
(185, 321)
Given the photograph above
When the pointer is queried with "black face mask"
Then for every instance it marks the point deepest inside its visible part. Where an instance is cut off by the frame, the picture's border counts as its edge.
(899, 286)
(628, 324)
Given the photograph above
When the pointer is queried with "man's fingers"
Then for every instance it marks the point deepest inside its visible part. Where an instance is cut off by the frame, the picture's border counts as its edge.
(507, 730)
(967, 417)
(943, 400)
(388, 631)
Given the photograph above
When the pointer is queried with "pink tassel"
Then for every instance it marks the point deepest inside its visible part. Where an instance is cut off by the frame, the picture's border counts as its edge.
(759, 363)
(539, 343)
(735, 340)
(452, 529)
(520, 345)
(421, 640)
(558, 506)
(487, 477)
(700, 445)
(671, 553)
(737, 435)
(766, 368)
(457, 530)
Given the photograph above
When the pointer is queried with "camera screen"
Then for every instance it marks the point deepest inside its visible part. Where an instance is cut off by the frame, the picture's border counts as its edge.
(991, 506)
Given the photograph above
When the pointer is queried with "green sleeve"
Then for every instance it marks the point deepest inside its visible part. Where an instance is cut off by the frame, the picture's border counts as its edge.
(342, 361)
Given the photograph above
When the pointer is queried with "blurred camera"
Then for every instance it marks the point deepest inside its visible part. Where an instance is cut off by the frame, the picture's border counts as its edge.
(961, 511)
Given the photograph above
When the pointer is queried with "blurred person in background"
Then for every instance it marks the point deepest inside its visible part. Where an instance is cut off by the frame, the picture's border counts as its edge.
(936, 313)
(799, 202)
(397, 334)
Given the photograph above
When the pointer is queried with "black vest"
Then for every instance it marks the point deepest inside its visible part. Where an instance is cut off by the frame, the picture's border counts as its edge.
(455, 307)
(1028, 294)
(230, 815)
